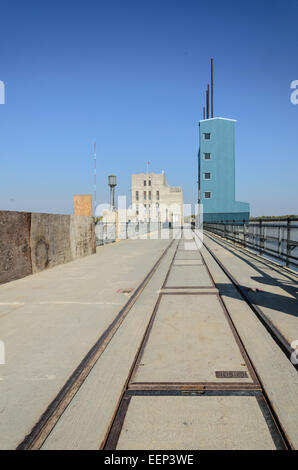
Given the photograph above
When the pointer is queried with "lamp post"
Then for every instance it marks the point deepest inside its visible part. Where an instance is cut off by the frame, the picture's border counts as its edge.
(112, 181)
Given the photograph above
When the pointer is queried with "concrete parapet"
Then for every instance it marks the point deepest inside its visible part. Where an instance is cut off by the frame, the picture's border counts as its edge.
(32, 242)
(49, 240)
(15, 256)
(82, 236)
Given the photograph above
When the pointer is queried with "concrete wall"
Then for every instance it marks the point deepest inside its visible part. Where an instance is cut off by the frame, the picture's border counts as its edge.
(32, 242)
(15, 256)
(82, 236)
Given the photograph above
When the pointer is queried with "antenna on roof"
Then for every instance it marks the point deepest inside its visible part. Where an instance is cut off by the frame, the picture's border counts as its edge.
(204, 113)
(212, 115)
(207, 101)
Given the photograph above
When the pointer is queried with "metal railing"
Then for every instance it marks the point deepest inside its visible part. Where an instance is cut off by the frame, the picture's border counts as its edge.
(275, 238)
(108, 232)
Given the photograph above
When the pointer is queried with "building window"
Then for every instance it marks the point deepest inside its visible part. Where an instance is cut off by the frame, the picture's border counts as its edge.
(145, 195)
(137, 209)
(149, 182)
(207, 135)
(145, 182)
(157, 195)
(207, 175)
(137, 195)
(149, 195)
(207, 195)
(207, 156)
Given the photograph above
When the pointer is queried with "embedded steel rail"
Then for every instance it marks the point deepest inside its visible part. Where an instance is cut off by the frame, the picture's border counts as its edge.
(52, 414)
(192, 389)
(274, 332)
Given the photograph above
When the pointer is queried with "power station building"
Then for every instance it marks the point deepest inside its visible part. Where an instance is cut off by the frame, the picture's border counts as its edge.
(153, 199)
(217, 172)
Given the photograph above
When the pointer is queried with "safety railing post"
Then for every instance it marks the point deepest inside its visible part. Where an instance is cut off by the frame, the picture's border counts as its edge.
(288, 242)
(260, 237)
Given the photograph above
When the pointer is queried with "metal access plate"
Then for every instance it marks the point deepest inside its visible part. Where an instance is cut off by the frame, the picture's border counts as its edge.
(195, 423)
(189, 341)
(186, 276)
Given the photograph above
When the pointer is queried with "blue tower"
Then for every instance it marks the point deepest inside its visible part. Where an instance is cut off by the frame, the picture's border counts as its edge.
(217, 172)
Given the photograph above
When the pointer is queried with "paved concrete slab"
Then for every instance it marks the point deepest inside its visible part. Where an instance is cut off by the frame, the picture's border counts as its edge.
(50, 320)
(190, 255)
(194, 423)
(188, 262)
(85, 422)
(190, 344)
(186, 276)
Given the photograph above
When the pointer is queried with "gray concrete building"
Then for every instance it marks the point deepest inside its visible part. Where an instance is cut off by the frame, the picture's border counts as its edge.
(153, 199)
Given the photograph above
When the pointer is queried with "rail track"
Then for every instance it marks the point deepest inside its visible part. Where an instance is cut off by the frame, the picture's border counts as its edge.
(275, 333)
(135, 388)
(150, 375)
(50, 417)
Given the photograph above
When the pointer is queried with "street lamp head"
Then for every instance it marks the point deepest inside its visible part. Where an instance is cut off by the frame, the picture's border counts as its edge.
(112, 181)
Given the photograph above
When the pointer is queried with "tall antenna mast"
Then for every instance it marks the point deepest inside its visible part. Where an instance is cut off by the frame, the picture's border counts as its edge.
(207, 101)
(212, 115)
(204, 113)
(94, 176)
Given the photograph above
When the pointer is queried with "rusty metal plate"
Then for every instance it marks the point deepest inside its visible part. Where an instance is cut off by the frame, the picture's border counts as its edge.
(231, 374)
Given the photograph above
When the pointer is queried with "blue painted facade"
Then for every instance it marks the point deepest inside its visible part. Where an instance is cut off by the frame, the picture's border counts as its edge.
(217, 171)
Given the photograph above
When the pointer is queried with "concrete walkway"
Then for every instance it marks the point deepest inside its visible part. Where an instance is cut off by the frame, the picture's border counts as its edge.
(186, 369)
(50, 320)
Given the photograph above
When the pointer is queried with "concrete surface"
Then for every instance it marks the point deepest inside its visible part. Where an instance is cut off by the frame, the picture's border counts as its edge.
(32, 242)
(86, 421)
(186, 276)
(195, 423)
(49, 240)
(50, 320)
(276, 373)
(82, 236)
(278, 291)
(190, 344)
(15, 258)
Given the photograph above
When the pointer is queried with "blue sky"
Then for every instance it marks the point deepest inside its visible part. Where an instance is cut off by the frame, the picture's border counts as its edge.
(131, 75)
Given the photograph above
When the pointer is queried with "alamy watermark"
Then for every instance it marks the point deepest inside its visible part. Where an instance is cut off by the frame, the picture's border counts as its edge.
(2, 92)
(294, 94)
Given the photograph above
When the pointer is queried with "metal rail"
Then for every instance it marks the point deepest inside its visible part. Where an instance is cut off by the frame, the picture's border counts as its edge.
(52, 414)
(132, 388)
(270, 327)
(41, 430)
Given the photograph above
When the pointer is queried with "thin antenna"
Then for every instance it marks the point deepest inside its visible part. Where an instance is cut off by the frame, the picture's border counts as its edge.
(94, 177)
(207, 101)
(212, 115)
(204, 113)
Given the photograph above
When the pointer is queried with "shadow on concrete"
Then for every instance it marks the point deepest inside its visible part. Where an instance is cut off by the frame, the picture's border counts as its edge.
(281, 303)
(285, 282)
